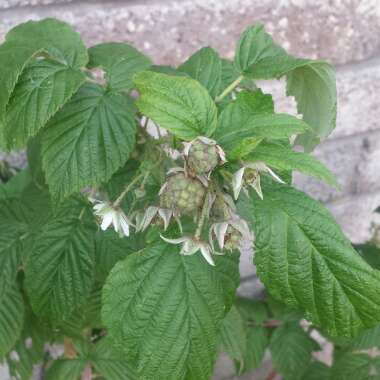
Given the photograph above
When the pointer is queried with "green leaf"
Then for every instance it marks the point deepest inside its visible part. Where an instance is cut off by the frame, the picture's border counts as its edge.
(55, 37)
(317, 371)
(179, 104)
(237, 113)
(312, 83)
(60, 267)
(110, 363)
(291, 350)
(42, 89)
(244, 123)
(16, 185)
(314, 88)
(11, 318)
(110, 249)
(165, 310)
(233, 335)
(368, 339)
(50, 36)
(303, 259)
(370, 253)
(13, 59)
(81, 145)
(66, 369)
(282, 158)
(254, 46)
(34, 156)
(356, 366)
(88, 315)
(20, 217)
(28, 350)
(251, 103)
(276, 126)
(120, 61)
(257, 337)
(205, 66)
(257, 341)
(10, 255)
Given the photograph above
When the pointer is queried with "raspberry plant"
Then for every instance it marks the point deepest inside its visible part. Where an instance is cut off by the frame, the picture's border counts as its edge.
(120, 238)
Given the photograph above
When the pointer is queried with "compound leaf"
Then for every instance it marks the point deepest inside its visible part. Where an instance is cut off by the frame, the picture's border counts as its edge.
(11, 318)
(42, 89)
(304, 259)
(110, 363)
(165, 310)
(81, 145)
(291, 349)
(233, 334)
(60, 267)
(312, 83)
(205, 66)
(179, 104)
(120, 61)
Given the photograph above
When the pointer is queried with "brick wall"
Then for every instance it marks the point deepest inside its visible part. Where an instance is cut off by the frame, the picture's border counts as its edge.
(345, 32)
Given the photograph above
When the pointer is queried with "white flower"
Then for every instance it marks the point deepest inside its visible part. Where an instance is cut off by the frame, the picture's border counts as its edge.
(190, 246)
(254, 179)
(111, 216)
(219, 229)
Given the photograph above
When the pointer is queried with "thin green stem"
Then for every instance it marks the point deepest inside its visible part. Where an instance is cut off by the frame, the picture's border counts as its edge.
(230, 88)
(202, 218)
(127, 189)
(143, 176)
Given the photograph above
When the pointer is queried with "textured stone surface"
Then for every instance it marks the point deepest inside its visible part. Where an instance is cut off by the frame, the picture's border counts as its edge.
(339, 30)
(21, 3)
(355, 214)
(355, 163)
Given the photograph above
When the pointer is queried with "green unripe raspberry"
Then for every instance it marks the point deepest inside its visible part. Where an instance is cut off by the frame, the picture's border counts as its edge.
(202, 157)
(220, 211)
(232, 239)
(183, 194)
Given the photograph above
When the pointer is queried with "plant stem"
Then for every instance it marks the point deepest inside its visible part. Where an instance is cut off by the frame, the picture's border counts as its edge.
(143, 176)
(202, 218)
(87, 373)
(69, 349)
(272, 375)
(230, 88)
(127, 189)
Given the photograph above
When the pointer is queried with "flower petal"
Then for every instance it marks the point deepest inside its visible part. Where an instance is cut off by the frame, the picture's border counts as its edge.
(220, 232)
(107, 220)
(165, 214)
(222, 154)
(163, 187)
(174, 170)
(257, 186)
(150, 213)
(274, 175)
(206, 253)
(190, 247)
(203, 180)
(124, 224)
(139, 218)
(237, 182)
(186, 147)
(206, 140)
(175, 241)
